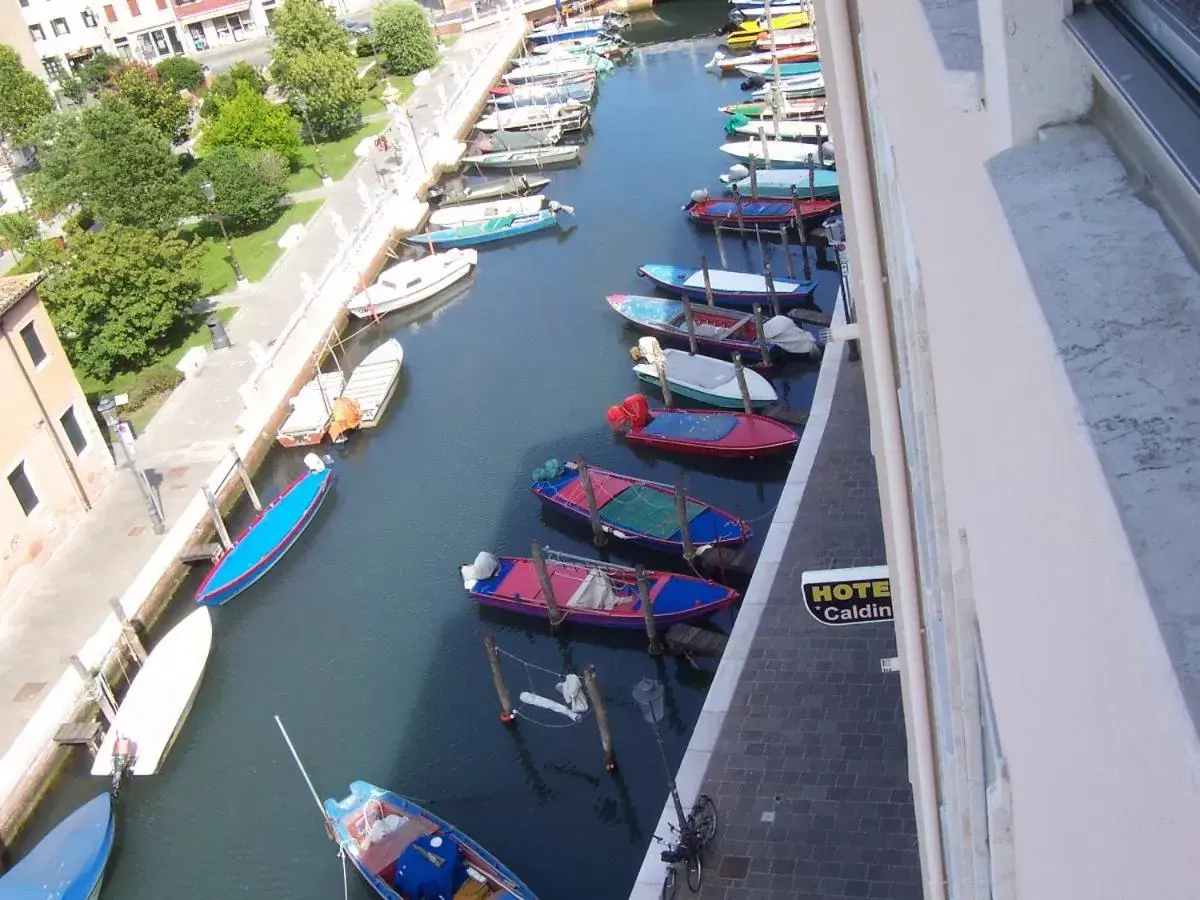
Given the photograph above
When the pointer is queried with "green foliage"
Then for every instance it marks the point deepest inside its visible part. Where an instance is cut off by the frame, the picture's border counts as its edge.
(404, 41)
(72, 87)
(328, 81)
(302, 27)
(226, 85)
(247, 185)
(94, 73)
(17, 229)
(180, 73)
(156, 102)
(364, 46)
(119, 296)
(113, 163)
(252, 122)
(151, 383)
(23, 97)
(370, 79)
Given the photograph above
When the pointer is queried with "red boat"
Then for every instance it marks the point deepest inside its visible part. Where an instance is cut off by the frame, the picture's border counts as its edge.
(769, 213)
(720, 434)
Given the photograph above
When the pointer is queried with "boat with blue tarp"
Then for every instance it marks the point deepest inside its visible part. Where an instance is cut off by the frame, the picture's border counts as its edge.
(69, 862)
(720, 434)
(730, 288)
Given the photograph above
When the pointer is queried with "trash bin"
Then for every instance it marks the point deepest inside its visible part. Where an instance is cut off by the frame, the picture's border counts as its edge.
(217, 335)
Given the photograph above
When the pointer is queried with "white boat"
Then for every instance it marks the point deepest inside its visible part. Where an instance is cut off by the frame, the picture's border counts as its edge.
(534, 157)
(478, 212)
(552, 67)
(312, 410)
(758, 11)
(408, 283)
(160, 697)
(570, 116)
(798, 86)
(799, 53)
(374, 380)
(778, 153)
(712, 381)
(786, 129)
(786, 37)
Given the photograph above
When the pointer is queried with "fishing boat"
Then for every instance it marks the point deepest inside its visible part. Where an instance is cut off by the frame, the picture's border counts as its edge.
(546, 92)
(269, 536)
(552, 33)
(635, 510)
(478, 212)
(719, 332)
(798, 87)
(552, 68)
(416, 280)
(569, 116)
(724, 435)
(785, 38)
(405, 852)
(783, 183)
(745, 214)
(728, 65)
(534, 157)
(701, 378)
(373, 382)
(779, 129)
(728, 288)
(786, 69)
(492, 188)
(608, 47)
(794, 108)
(746, 34)
(157, 702)
(69, 862)
(779, 154)
(492, 229)
(590, 592)
(499, 141)
(312, 410)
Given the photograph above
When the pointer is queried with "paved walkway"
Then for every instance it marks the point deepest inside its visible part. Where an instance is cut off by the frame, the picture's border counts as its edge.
(809, 770)
(46, 618)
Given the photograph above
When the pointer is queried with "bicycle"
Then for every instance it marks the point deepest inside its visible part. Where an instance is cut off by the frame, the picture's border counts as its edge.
(696, 834)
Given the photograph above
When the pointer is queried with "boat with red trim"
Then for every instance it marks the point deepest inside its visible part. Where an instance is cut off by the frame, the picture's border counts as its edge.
(591, 592)
(730, 288)
(739, 212)
(726, 435)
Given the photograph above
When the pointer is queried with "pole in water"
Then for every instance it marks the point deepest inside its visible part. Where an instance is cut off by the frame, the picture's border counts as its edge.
(593, 692)
(737, 200)
(753, 178)
(660, 366)
(304, 773)
(108, 709)
(643, 587)
(812, 178)
(506, 708)
(244, 474)
(539, 564)
(762, 137)
(708, 291)
(681, 516)
(691, 324)
(599, 538)
(763, 347)
(770, 280)
(787, 250)
(740, 373)
(804, 260)
(214, 512)
(129, 635)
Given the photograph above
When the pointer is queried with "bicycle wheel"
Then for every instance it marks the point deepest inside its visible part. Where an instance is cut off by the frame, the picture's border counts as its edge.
(670, 884)
(695, 873)
(704, 819)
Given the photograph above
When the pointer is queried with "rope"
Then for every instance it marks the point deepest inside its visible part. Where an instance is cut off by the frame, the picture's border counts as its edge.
(558, 676)
(345, 874)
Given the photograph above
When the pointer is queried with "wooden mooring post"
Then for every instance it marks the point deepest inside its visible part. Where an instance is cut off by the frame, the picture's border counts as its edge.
(214, 512)
(689, 552)
(599, 538)
(787, 250)
(691, 324)
(660, 366)
(708, 291)
(718, 231)
(739, 372)
(643, 586)
(507, 716)
(763, 346)
(99, 688)
(593, 692)
(244, 474)
(129, 636)
(753, 178)
(769, 278)
(553, 613)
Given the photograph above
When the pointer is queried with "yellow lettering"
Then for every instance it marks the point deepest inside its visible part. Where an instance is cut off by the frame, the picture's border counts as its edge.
(842, 591)
(882, 588)
(821, 593)
(861, 588)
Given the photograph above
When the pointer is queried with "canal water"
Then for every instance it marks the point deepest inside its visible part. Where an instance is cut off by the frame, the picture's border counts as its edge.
(363, 640)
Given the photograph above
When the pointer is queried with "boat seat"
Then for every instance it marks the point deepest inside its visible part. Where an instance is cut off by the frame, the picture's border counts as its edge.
(740, 323)
(473, 890)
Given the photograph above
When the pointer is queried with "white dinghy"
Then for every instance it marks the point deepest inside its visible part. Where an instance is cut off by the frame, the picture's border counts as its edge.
(711, 381)
(787, 129)
(373, 381)
(160, 697)
(480, 212)
(408, 283)
(779, 153)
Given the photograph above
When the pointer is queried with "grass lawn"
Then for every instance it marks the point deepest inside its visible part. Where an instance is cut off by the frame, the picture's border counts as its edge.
(338, 156)
(256, 252)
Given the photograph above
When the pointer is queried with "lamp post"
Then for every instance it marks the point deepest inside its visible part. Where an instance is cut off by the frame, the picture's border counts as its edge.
(302, 104)
(400, 112)
(210, 195)
(835, 237)
(648, 695)
(122, 437)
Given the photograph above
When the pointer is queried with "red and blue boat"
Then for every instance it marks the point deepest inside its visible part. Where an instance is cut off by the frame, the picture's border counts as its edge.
(763, 213)
(719, 332)
(742, 289)
(635, 510)
(69, 862)
(269, 536)
(405, 852)
(725, 435)
(591, 592)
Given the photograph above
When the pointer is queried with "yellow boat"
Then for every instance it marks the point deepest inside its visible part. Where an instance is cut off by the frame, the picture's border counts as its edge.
(747, 33)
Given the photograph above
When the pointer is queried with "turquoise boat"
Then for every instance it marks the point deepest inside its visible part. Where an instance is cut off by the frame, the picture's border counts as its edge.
(490, 230)
(786, 70)
(778, 183)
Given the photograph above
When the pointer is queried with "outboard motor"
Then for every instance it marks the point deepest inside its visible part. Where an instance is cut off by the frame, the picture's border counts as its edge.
(753, 83)
(123, 756)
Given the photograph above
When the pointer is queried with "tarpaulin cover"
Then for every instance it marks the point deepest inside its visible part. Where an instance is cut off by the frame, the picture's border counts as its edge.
(644, 510)
(690, 426)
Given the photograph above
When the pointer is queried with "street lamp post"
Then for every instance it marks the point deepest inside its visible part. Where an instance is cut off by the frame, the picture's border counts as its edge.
(648, 695)
(120, 434)
(835, 237)
(302, 104)
(412, 131)
(210, 195)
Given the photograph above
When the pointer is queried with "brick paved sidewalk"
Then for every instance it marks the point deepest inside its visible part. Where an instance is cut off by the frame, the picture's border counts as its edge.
(810, 771)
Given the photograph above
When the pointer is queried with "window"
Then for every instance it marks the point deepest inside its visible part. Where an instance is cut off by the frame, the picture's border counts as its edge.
(35, 32)
(133, 8)
(60, 26)
(89, 18)
(110, 14)
(26, 495)
(53, 66)
(37, 352)
(73, 431)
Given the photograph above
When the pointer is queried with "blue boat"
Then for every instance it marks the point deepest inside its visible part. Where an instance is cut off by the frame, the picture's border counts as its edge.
(68, 863)
(786, 69)
(268, 537)
(405, 852)
(552, 34)
(782, 183)
(740, 289)
(490, 230)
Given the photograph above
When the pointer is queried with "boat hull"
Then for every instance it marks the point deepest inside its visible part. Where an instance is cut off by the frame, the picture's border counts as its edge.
(661, 318)
(751, 436)
(683, 282)
(371, 303)
(525, 159)
(700, 396)
(514, 186)
(69, 863)
(452, 237)
(770, 213)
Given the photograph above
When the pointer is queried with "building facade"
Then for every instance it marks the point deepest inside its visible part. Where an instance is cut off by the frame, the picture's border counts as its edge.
(1020, 183)
(53, 457)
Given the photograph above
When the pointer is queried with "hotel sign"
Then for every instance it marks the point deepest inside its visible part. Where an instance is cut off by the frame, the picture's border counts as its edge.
(848, 596)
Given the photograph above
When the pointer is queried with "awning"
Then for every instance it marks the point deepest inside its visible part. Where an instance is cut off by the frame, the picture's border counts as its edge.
(209, 9)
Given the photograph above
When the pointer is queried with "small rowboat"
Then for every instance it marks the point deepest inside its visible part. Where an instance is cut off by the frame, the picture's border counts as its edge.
(782, 183)
(405, 852)
(69, 862)
(413, 281)
(534, 156)
(779, 154)
(463, 213)
(569, 116)
(768, 213)
(795, 108)
(553, 68)
(269, 536)
(492, 229)
(312, 410)
(788, 37)
(801, 86)
(757, 10)
(726, 435)
(786, 70)
(702, 378)
(610, 48)
(590, 592)
(728, 65)
(729, 288)
(636, 510)
(548, 92)
(785, 129)
(549, 34)
(513, 186)
(158, 700)
(373, 382)
(501, 90)
(499, 141)
(745, 34)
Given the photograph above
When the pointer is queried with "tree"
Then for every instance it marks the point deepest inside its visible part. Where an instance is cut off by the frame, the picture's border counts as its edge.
(180, 73)
(113, 163)
(23, 97)
(17, 230)
(119, 296)
(94, 73)
(305, 26)
(157, 103)
(251, 122)
(247, 184)
(328, 82)
(72, 87)
(226, 85)
(403, 39)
